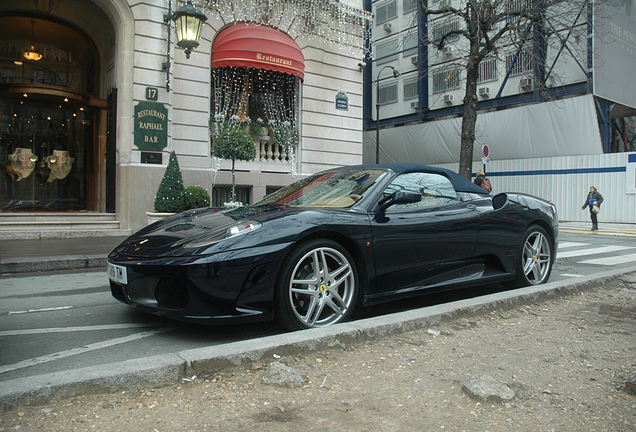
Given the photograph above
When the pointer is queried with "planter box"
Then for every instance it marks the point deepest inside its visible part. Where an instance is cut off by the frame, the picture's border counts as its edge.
(156, 217)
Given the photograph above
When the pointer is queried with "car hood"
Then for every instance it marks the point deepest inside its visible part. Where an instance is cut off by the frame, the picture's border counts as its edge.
(192, 232)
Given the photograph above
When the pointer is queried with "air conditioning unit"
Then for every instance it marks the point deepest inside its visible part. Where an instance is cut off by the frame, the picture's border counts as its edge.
(449, 99)
(415, 105)
(387, 27)
(414, 60)
(525, 83)
(447, 51)
(484, 92)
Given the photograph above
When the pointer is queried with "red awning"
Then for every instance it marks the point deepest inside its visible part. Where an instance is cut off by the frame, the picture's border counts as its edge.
(256, 46)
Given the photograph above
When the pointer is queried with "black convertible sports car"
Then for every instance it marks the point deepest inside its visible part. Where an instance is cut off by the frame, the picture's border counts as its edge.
(358, 235)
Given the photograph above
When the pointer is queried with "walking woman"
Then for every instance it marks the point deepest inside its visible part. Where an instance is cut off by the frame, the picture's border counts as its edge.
(593, 201)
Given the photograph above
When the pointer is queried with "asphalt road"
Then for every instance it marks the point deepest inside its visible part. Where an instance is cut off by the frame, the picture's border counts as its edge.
(64, 321)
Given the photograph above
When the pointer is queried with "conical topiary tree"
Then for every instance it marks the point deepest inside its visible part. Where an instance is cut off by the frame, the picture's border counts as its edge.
(171, 193)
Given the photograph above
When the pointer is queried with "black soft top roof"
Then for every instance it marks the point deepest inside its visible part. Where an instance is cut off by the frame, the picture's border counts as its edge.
(460, 183)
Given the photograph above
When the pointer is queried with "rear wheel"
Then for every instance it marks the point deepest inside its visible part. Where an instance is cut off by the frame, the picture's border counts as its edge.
(535, 258)
(317, 287)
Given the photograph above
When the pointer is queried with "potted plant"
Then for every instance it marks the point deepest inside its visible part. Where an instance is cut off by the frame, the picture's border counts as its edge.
(233, 143)
(170, 197)
(196, 197)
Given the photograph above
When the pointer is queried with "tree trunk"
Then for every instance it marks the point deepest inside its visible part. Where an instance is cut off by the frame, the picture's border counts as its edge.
(233, 182)
(470, 106)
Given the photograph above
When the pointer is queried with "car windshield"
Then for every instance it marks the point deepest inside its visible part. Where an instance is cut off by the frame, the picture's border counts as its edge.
(334, 189)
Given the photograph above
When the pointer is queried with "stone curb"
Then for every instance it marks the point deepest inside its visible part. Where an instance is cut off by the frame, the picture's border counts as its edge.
(29, 265)
(169, 369)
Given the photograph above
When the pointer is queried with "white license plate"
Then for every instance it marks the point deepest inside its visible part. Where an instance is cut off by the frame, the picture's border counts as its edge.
(117, 274)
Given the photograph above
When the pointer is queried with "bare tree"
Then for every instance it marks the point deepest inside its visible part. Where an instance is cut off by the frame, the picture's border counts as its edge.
(482, 28)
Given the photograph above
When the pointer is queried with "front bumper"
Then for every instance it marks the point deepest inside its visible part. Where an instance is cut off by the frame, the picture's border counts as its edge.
(230, 286)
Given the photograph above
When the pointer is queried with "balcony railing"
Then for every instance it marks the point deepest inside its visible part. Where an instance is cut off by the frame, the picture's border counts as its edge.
(270, 156)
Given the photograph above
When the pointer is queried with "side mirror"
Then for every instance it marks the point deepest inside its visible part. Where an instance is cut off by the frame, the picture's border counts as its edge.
(400, 197)
(499, 200)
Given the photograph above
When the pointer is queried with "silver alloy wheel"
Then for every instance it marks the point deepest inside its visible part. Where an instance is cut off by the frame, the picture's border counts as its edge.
(537, 258)
(322, 287)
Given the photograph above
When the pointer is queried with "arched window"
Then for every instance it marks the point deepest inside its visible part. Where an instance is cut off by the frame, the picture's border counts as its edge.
(256, 77)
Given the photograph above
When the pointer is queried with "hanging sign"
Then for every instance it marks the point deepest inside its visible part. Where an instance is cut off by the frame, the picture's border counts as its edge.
(485, 153)
(342, 101)
(151, 126)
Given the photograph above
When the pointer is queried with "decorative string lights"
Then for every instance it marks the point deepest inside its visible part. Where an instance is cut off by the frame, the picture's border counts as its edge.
(245, 95)
(329, 21)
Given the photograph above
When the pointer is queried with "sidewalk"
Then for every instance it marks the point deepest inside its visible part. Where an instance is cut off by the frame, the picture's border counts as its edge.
(24, 256)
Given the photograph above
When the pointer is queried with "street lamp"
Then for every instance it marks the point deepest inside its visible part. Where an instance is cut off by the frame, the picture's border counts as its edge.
(188, 22)
(377, 110)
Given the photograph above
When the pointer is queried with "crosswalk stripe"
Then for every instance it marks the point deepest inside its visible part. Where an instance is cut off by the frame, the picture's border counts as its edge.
(613, 260)
(565, 245)
(592, 251)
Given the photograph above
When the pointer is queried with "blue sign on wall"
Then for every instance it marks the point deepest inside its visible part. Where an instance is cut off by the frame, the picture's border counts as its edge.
(342, 101)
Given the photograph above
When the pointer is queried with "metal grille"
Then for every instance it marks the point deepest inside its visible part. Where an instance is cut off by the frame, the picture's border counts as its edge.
(223, 194)
(445, 80)
(171, 293)
(410, 42)
(117, 291)
(386, 51)
(388, 94)
(386, 11)
(523, 63)
(487, 70)
(445, 28)
(410, 88)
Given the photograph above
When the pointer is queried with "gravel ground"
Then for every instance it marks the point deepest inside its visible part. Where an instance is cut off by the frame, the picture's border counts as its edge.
(567, 360)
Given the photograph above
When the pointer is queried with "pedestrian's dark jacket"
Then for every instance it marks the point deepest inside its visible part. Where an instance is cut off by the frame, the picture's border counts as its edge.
(593, 198)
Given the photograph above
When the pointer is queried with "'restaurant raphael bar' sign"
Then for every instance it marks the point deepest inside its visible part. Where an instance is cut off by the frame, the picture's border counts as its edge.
(151, 126)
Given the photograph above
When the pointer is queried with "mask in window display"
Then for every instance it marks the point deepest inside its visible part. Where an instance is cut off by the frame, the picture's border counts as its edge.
(22, 162)
(60, 164)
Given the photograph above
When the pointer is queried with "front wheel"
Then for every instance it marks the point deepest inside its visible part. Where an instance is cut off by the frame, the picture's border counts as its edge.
(317, 287)
(535, 258)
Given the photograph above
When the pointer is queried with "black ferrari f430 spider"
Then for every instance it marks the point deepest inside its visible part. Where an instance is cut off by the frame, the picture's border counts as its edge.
(352, 236)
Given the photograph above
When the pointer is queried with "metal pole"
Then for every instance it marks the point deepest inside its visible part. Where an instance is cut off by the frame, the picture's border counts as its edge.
(377, 111)
(377, 125)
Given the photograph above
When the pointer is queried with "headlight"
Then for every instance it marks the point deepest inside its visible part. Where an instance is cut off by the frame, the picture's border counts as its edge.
(242, 228)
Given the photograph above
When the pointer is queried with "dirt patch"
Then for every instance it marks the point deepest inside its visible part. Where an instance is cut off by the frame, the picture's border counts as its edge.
(567, 360)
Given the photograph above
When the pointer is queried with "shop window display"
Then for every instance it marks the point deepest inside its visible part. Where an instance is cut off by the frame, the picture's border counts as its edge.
(45, 152)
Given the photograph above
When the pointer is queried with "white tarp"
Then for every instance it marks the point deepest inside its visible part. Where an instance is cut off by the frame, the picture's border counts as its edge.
(566, 127)
(614, 49)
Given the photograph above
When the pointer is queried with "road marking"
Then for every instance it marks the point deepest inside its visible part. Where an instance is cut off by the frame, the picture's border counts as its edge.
(75, 329)
(40, 310)
(601, 232)
(571, 275)
(49, 284)
(613, 260)
(592, 251)
(77, 351)
(566, 245)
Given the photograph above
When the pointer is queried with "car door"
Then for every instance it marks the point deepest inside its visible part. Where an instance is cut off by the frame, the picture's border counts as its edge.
(424, 243)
